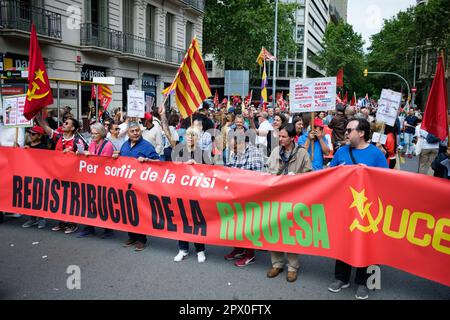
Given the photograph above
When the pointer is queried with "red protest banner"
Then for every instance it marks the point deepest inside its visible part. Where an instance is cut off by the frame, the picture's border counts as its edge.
(357, 214)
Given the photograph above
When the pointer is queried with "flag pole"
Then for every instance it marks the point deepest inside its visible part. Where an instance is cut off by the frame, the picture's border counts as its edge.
(442, 54)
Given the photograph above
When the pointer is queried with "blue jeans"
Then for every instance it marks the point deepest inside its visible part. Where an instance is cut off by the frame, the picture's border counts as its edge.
(408, 142)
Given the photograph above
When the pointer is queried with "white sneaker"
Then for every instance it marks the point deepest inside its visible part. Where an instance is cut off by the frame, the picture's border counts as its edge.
(201, 256)
(180, 256)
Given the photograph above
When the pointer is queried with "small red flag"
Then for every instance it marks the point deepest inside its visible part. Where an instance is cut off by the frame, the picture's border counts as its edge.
(39, 93)
(216, 99)
(340, 78)
(345, 100)
(353, 102)
(435, 116)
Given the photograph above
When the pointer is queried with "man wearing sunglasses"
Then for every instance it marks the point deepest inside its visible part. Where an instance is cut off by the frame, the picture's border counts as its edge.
(356, 151)
(65, 142)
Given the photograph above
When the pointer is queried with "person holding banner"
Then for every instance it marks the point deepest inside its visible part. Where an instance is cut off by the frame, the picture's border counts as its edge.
(36, 142)
(357, 151)
(287, 158)
(191, 153)
(136, 147)
(244, 155)
(67, 142)
(99, 146)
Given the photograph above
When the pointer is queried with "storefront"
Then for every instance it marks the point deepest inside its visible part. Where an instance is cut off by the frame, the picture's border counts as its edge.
(149, 87)
(88, 72)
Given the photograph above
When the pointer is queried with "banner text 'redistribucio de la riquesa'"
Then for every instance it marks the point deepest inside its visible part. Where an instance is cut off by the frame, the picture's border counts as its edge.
(356, 214)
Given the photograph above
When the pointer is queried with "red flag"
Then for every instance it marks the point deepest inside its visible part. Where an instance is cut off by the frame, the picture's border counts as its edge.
(248, 99)
(435, 117)
(345, 100)
(353, 102)
(340, 78)
(39, 93)
(93, 94)
(216, 99)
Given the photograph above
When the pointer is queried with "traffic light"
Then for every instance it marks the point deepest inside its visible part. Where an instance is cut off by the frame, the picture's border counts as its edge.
(365, 72)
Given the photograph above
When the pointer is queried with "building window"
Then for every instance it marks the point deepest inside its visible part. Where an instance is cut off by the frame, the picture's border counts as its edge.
(299, 70)
(150, 23)
(282, 69)
(291, 70)
(301, 16)
(169, 29)
(96, 12)
(300, 51)
(189, 33)
(209, 66)
(127, 17)
(300, 34)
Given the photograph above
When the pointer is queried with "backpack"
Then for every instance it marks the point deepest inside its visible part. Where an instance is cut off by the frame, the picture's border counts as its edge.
(431, 138)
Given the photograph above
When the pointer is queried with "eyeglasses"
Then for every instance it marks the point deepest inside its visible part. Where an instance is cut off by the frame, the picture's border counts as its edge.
(349, 130)
(34, 133)
(116, 129)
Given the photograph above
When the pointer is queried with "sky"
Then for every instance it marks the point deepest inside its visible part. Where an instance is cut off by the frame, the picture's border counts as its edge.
(366, 16)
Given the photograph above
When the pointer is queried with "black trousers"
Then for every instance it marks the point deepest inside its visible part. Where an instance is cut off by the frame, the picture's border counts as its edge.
(184, 245)
(142, 238)
(342, 271)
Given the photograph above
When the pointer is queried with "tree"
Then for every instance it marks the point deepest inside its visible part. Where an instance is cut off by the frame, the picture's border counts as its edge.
(235, 31)
(391, 50)
(424, 27)
(433, 23)
(343, 48)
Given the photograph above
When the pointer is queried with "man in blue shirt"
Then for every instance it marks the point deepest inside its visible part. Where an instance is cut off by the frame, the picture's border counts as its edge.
(357, 151)
(137, 147)
(321, 146)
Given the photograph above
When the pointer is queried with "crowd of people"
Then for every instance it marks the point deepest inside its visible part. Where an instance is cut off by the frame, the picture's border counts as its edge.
(266, 139)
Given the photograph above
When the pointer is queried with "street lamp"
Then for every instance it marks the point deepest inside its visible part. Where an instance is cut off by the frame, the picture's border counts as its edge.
(390, 73)
(275, 54)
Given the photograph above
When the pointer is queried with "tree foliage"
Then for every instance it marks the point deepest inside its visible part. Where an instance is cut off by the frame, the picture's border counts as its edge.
(343, 48)
(235, 31)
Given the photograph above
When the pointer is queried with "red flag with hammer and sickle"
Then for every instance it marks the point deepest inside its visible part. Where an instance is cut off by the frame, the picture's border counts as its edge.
(39, 93)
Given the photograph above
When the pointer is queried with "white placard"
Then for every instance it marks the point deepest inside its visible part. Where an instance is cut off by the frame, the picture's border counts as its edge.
(388, 106)
(104, 80)
(13, 111)
(377, 137)
(312, 95)
(136, 103)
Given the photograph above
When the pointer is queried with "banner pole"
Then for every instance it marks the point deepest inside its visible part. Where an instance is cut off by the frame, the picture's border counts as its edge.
(312, 143)
(16, 139)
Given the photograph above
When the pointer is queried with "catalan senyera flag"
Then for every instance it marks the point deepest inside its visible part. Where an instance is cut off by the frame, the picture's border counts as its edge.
(191, 84)
(104, 95)
(39, 93)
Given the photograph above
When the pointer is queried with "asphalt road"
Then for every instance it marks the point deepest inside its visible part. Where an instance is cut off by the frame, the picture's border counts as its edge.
(34, 263)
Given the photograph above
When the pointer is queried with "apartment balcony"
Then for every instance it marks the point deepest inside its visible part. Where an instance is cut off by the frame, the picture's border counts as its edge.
(135, 47)
(198, 5)
(16, 18)
(103, 39)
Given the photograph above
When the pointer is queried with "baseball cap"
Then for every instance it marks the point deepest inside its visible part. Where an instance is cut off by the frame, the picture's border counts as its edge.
(148, 116)
(36, 129)
(318, 123)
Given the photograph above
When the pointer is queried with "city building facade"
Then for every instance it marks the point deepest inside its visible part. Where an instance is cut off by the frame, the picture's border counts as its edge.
(138, 42)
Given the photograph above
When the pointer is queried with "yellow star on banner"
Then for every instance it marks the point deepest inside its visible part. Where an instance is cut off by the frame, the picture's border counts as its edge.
(39, 75)
(358, 200)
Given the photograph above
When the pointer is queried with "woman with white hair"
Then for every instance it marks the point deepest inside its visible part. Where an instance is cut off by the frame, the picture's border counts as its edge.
(191, 153)
(99, 146)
